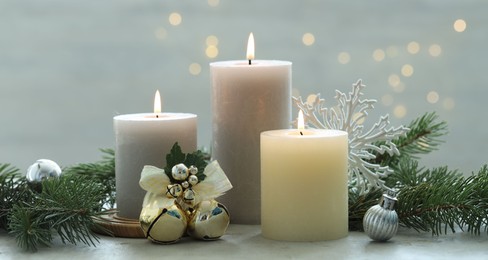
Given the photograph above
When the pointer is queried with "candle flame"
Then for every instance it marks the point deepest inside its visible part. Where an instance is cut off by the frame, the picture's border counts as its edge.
(157, 102)
(301, 121)
(250, 47)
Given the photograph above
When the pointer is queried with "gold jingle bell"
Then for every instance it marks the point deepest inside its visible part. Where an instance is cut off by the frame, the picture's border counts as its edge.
(163, 225)
(209, 220)
(193, 180)
(174, 190)
(193, 170)
(189, 196)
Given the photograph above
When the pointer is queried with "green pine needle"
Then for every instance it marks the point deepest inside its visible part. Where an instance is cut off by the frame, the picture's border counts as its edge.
(102, 172)
(423, 137)
(440, 200)
(66, 205)
(13, 188)
(29, 229)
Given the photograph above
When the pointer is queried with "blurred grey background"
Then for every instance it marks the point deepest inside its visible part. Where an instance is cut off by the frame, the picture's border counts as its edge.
(68, 67)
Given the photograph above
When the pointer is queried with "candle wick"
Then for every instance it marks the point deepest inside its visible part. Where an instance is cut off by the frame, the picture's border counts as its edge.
(301, 133)
(249, 62)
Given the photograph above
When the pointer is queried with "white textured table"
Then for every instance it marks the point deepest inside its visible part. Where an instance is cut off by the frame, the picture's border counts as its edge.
(246, 242)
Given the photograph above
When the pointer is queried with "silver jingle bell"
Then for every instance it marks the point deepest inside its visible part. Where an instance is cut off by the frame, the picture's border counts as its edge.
(381, 221)
(43, 169)
(179, 172)
(208, 221)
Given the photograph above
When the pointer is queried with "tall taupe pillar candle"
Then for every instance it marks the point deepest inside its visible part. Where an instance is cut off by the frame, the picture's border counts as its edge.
(247, 100)
(145, 139)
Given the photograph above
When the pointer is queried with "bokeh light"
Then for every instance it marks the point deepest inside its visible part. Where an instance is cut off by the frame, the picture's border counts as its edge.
(407, 70)
(413, 47)
(213, 3)
(308, 39)
(175, 19)
(212, 40)
(195, 69)
(400, 111)
(459, 25)
(378, 55)
(435, 50)
(212, 51)
(393, 80)
(344, 57)
(432, 97)
(311, 99)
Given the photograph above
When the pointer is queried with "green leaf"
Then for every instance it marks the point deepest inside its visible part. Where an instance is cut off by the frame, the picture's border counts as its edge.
(176, 156)
(197, 159)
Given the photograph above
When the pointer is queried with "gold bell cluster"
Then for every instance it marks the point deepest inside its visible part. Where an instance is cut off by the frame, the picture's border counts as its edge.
(184, 204)
(187, 178)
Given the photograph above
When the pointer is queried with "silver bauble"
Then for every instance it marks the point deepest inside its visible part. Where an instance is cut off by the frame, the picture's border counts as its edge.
(208, 221)
(43, 169)
(164, 225)
(381, 221)
(179, 172)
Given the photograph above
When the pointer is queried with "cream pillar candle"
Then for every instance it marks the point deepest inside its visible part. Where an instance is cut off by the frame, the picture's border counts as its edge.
(145, 139)
(304, 184)
(247, 98)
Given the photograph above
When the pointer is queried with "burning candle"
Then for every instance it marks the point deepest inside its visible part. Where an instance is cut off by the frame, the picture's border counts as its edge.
(249, 97)
(145, 139)
(304, 184)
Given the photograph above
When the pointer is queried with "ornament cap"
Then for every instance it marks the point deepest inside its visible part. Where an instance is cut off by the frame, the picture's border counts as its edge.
(388, 201)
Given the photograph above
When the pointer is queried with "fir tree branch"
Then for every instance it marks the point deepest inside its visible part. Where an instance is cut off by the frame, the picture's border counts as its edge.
(440, 200)
(13, 188)
(422, 138)
(66, 205)
(102, 172)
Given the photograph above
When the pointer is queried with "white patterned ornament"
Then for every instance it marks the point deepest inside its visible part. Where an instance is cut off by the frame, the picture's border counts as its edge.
(349, 114)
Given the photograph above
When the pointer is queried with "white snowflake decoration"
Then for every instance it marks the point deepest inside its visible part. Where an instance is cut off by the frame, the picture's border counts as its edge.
(348, 115)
